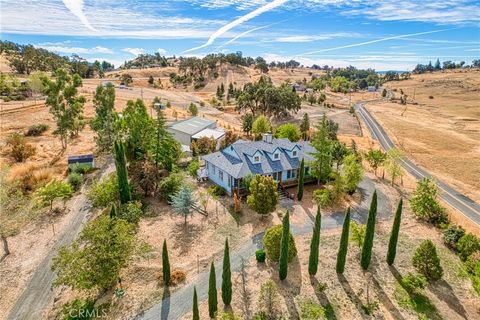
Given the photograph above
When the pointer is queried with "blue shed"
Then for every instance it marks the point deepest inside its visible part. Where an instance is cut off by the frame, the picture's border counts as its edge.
(86, 160)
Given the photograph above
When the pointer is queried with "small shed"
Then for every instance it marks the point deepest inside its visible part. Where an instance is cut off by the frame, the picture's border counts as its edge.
(84, 160)
(159, 106)
(372, 89)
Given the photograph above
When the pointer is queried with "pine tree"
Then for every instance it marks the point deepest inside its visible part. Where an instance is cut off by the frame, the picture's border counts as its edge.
(122, 175)
(283, 268)
(314, 244)
(113, 212)
(426, 261)
(196, 314)
(301, 180)
(392, 244)
(165, 264)
(369, 233)
(342, 251)
(212, 293)
(226, 276)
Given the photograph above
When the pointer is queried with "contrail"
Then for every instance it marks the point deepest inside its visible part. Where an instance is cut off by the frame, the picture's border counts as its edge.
(76, 7)
(270, 6)
(377, 40)
(247, 32)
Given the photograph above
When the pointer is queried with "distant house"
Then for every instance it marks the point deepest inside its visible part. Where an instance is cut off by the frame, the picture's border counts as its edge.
(372, 89)
(86, 160)
(159, 106)
(278, 158)
(186, 131)
(298, 87)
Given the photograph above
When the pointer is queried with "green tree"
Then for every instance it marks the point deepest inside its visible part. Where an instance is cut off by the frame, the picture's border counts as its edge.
(261, 125)
(321, 142)
(311, 98)
(314, 245)
(392, 244)
(305, 126)
(301, 180)
(272, 243)
(95, 259)
(105, 117)
(339, 152)
(289, 131)
(126, 79)
(113, 211)
(151, 80)
(343, 249)
(369, 234)
(196, 313)
(183, 201)
(104, 192)
(212, 293)
(269, 301)
(165, 150)
(284, 242)
(165, 264)
(226, 276)
(122, 174)
(193, 109)
(20, 149)
(424, 203)
(392, 163)
(263, 196)
(65, 104)
(52, 191)
(247, 123)
(426, 261)
(375, 158)
(358, 234)
(353, 173)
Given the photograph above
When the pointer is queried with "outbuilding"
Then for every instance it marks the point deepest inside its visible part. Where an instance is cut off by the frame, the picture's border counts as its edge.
(85, 160)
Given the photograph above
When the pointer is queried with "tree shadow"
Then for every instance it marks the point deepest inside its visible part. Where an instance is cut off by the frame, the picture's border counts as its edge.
(323, 299)
(165, 304)
(185, 236)
(290, 287)
(385, 300)
(352, 295)
(444, 292)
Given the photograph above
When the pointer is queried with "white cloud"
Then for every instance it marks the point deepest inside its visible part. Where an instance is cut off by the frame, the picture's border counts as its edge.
(76, 7)
(162, 51)
(56, 47)
(134, 51)
(311, 38)
(270, 6)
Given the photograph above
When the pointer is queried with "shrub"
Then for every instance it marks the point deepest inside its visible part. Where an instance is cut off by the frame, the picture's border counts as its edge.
(80, 168)
(472, 262)
(217, 191)
(30, 176)
(268, 301)
(260, 255)
(271, 242)
(77, 309)
(430, 97)
(310, 309)
(75, 180)
(425, 205)
(178, 276)
(413, 283)
(104, 192)
(193, 167)
(323, 197)
(20, 150)
(36, 130)
(467, 245)
(452, 234)
(171, 185)
(131, 211)
(426, 261)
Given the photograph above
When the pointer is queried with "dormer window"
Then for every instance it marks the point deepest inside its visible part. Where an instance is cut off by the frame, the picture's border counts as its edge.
(276, 156)
(294, 153)
(256, 159)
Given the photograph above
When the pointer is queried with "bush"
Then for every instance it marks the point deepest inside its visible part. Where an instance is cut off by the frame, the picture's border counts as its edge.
(430, 97)
(310, 309)
(171, 185)
(131, 211)
(467, 245)
(452, 234)
(76, 309)
(80, 168)
(271, 242)
(193, 167)
(323, 197)
(178, 276)
(36, 130)
(104, 192)
(426, 261)
(75, 180)
(20, 150)
(413, 283)
(217, 191)
(260, 255)
(30, 176)
(472, 262)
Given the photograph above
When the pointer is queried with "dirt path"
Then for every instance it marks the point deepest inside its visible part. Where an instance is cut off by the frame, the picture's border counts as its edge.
(178, 303)
(39, 292)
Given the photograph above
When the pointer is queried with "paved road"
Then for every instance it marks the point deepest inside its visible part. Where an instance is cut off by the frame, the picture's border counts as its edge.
(38, 291)
(459, 201)
(178, 303)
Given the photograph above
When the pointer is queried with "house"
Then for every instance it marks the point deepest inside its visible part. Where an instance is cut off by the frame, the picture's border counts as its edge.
(372, 89)
(186, 131)
(298, 87)
(278, 158)
(85, 160)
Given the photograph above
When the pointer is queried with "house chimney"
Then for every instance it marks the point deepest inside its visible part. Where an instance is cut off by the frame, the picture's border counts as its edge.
(267, 137)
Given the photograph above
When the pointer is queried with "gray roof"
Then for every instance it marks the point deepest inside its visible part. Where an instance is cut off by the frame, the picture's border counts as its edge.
(242, 166)
(192, 125)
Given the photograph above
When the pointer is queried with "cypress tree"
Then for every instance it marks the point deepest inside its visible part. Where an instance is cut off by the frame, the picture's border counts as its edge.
(283, 269)
(122, 175)
(301, 178)
(113, 212)
(165, 264)
(313, 258)
(392, 244)
(212, 293)
(342, 251)
(226, 276)
(369, 233)
(196, 314)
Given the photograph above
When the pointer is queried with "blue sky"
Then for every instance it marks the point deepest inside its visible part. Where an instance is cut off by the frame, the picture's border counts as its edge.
(385, 35)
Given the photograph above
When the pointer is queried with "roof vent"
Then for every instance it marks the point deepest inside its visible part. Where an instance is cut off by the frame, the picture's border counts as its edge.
(267, 137)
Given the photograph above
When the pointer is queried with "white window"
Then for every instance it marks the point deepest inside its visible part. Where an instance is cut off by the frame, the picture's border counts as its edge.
(276, 156)
(220, 174)
(256, 159)
(294, 153)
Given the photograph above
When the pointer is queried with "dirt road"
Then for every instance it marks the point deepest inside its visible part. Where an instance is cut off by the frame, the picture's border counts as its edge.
(39, 292)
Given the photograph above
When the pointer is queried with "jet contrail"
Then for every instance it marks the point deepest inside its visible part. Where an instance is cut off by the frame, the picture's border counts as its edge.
(270, 6)
(377, 40)
(247, 32)
(76, 7)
